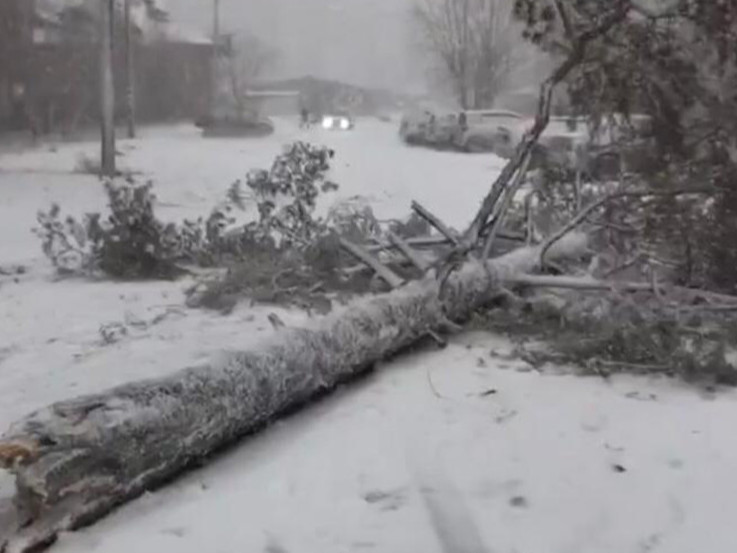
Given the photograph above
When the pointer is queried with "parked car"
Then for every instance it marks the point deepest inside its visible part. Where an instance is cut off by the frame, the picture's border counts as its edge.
(621, 145)
(338, 121)
(497, 131)
(441, 131)
(564, 142)
(414, 125)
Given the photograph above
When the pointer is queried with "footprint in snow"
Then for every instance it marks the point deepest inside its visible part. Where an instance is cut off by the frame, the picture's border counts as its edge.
(385, 500)
(273, 546)
(177, 532)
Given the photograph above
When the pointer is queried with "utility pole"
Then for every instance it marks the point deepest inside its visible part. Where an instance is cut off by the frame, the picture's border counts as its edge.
(215, 55)
(107, 90)
(130, 82)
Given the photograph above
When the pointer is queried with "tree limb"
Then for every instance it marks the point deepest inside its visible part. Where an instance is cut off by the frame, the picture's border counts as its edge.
(394, 280)
(591, 284)
(408, 252)
(582, 216)
(435, 222)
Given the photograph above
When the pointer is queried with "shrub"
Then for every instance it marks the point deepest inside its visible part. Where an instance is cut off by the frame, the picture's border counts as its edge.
(131, 242)
(287, 193)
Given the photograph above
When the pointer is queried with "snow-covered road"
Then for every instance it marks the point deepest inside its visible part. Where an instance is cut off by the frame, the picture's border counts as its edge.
(446, 445)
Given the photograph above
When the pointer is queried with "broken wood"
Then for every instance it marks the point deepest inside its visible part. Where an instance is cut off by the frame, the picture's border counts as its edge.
(76, 460)
(408, 252)
(422, 242)
(391, 278)
(436, 223)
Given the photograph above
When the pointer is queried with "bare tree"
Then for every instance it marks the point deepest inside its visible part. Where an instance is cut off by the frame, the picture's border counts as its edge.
(474, 42)
(248, 58)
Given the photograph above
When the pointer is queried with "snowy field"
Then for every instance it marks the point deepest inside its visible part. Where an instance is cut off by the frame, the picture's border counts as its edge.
(520, 461)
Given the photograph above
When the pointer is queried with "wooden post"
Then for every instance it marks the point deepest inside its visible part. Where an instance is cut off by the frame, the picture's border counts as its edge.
(107, 90)
(130, 72)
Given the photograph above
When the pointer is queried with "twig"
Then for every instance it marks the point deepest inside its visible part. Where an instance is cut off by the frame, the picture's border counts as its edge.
(394, 280)
(276, 321)
(582, 215)
(408, 252)
(316, 287)
(437, 338)
(436, 223)
(432, 385)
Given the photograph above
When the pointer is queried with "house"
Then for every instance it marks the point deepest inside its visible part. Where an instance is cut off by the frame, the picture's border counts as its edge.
(275, 102)
(16, 22)
(59, 71)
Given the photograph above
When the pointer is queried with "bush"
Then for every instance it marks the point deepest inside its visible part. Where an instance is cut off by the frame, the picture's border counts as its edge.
(287, 193)
(131, 242)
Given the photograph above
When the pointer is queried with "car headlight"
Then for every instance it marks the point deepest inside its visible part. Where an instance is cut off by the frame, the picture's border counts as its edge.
(327, 122)
(345, 124)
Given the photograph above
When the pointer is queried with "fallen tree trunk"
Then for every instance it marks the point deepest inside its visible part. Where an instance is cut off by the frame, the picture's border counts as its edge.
(76, 460)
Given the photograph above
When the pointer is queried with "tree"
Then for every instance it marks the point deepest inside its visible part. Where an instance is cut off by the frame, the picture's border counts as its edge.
(248, 57)
(475, 43)
(676, 62)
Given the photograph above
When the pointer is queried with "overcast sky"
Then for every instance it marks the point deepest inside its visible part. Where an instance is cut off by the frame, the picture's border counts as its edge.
(358, 41)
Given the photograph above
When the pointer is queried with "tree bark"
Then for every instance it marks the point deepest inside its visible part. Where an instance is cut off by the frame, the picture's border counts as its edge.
(76, 460)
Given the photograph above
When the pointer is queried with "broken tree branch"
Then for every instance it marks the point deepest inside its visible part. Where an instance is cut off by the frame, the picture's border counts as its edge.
(433, 241)
(590, 284)
(391, 278)
(583, 215)
(436, 223)
(408, 252)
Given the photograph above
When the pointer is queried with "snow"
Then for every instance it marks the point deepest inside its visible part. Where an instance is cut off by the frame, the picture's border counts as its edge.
(460, 441)
(535, 465)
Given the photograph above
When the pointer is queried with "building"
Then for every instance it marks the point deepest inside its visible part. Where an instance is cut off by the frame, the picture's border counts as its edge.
(55, 83)
(16, 24)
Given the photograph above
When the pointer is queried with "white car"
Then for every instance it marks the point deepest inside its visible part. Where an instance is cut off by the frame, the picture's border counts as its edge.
(339, 121)
(497, 131)
(413, 126)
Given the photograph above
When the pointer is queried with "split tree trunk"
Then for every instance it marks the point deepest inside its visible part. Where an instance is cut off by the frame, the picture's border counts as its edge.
(77, 459)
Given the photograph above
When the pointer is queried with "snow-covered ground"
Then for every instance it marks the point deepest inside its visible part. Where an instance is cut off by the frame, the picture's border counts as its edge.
(539, 463)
